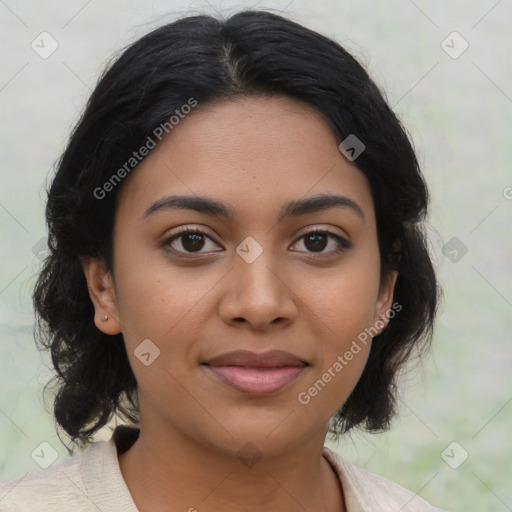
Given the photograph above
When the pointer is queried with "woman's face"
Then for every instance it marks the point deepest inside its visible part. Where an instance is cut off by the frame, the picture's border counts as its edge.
(253, 280)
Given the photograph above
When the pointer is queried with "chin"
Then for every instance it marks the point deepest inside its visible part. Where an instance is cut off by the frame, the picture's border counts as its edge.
(268, 432)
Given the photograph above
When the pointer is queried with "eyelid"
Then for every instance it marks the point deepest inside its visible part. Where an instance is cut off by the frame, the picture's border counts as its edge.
(325, 228)
(188, 228)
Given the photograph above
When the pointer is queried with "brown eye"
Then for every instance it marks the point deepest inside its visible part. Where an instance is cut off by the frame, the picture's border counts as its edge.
(192, 242)
(188, 241)
(318, 241)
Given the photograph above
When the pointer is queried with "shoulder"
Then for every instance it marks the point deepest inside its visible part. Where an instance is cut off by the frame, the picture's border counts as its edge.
(86, 482)
(58, 486)
(367, 491)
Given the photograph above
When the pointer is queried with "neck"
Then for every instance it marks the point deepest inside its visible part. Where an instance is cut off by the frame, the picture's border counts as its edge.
(165, 467)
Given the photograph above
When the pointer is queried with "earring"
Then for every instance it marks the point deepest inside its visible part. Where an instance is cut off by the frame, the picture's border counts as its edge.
(105, 318)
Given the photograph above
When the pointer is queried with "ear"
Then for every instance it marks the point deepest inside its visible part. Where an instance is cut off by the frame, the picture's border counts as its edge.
(102, 294)
(385, 300)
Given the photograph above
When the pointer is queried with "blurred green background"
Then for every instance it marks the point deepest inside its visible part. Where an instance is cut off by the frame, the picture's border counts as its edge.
(457, 106)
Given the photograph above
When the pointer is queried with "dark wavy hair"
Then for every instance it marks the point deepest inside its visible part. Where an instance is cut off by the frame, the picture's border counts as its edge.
(213, 60)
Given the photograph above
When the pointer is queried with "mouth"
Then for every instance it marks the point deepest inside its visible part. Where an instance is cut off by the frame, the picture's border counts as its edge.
(256, 374)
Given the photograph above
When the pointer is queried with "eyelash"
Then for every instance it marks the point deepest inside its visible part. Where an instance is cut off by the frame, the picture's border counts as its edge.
(343, 244)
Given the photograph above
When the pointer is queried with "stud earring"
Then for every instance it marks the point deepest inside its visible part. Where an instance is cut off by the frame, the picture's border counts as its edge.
(105, 318)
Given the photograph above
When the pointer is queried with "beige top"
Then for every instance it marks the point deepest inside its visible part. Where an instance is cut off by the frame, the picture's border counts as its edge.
(92, 481)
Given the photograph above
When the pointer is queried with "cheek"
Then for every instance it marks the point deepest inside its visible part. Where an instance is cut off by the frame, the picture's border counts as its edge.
(343, 305)
(341, 355)
(344, 299)
(155, 297)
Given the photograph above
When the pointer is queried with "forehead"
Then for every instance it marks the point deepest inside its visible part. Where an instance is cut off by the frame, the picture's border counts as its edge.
(254, 153)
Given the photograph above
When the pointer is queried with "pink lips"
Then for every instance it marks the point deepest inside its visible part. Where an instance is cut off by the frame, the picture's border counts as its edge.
(256, 374)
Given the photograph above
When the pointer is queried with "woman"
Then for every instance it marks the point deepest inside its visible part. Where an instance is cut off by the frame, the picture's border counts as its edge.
(237, 268)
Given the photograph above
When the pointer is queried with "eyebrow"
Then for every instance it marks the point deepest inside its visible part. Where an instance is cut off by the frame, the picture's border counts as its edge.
(293, 208)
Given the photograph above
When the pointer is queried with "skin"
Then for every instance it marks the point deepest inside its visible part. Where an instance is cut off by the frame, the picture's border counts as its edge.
(254, 154)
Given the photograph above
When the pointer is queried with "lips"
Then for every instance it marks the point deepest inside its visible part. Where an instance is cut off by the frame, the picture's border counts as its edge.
(257, 374)
(246, 358)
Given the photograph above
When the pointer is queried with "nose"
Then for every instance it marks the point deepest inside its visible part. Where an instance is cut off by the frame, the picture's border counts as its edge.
(259, 294)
